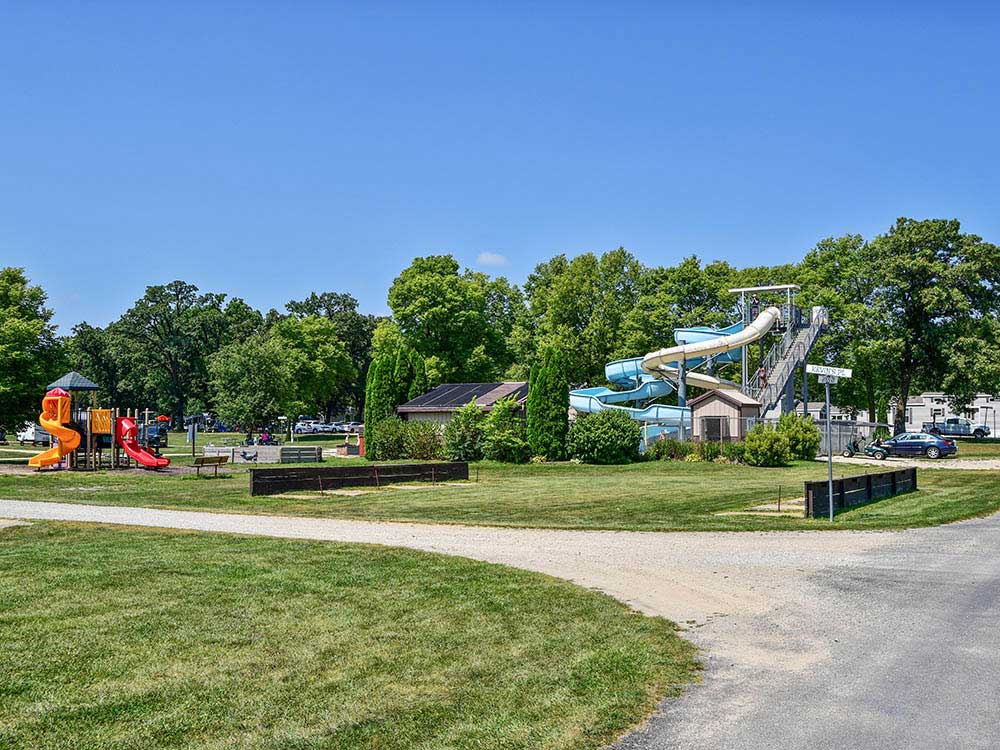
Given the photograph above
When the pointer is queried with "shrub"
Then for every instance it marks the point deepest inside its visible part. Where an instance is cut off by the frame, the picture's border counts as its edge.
(765, 446)
(385, 440)
(503, 433)
(670, 449)
(692, 457)
(607, 437)
(422, 441)
(463, 436)
(709, 451)
(803, 435)
(734, 453)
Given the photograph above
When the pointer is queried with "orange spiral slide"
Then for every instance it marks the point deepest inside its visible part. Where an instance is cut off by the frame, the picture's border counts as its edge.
(55, 418)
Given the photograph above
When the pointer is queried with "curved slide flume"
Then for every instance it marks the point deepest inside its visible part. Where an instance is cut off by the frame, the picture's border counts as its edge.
(126, 433)
(647, 378)
(55, 418)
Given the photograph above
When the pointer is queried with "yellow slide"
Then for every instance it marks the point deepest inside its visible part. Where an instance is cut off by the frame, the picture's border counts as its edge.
(54, 418)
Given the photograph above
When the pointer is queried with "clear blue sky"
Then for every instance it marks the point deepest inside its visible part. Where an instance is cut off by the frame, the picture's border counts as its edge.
(270, 149)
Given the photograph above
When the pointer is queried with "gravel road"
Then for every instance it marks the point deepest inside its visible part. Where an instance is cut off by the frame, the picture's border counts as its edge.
(811, 639)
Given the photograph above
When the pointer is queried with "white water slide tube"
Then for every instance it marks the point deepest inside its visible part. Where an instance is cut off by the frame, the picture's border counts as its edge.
(663, 362)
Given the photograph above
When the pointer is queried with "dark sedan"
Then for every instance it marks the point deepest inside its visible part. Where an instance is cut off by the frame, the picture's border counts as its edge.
(917, 444)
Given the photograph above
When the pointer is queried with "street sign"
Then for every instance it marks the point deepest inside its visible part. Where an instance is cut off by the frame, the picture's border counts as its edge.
(837, 372)
(829, 376)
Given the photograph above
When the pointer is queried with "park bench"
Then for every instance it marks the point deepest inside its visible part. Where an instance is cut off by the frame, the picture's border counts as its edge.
(213, 461)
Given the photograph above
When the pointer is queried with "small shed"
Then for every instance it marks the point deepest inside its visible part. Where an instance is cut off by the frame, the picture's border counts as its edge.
(722, 415)
(438, 405)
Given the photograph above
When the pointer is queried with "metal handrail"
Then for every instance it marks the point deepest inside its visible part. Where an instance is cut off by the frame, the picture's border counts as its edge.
(781, 361)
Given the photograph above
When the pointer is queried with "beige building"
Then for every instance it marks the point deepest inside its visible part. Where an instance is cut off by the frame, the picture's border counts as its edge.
(722, 415)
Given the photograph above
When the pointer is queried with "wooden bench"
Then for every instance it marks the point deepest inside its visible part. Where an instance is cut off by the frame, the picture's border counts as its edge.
(213, 461)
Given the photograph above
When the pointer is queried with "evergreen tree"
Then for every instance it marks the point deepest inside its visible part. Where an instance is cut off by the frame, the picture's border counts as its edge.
(379, 392)
(419, 384)
(548, 407)
(402, 376)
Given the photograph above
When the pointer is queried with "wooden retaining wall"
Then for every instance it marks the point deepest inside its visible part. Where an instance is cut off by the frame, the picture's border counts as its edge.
(268, 454)
(270, 481)
(857, 490)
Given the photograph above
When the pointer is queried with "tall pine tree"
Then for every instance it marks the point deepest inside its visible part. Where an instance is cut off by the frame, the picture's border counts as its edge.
(548, 406)
(380, 393)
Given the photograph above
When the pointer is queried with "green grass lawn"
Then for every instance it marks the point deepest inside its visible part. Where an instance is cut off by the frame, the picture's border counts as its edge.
(986, 448)
(661, 495)
(127, 638)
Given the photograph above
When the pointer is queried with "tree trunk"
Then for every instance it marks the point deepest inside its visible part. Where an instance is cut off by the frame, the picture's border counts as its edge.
(899, 423)
(870, 399)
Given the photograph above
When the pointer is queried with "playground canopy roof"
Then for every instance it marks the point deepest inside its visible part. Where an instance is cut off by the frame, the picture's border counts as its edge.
(74, 381)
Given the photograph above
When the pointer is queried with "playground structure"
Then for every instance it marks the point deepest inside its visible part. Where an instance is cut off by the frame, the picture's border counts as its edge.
(642, 380)
(88, 438)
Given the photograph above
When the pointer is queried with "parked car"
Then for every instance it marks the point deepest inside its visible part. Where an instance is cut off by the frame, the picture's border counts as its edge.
(305, 426)
(914, 444)
(34, 434)
(353, 426)
(957, 427)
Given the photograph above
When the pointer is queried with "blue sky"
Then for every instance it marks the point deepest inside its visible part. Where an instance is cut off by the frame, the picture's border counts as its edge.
(270, 149)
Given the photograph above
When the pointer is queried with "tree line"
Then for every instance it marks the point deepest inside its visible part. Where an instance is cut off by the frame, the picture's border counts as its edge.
(913, 308)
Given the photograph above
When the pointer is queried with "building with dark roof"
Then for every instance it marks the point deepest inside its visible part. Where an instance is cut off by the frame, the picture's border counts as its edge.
(438, 404)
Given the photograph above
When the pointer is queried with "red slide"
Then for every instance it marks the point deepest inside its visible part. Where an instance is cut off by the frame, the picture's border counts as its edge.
(126, 433)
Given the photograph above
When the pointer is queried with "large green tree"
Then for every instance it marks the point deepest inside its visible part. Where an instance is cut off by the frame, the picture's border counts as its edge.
(354, 329)
(457, 321)
(837, 274)
(30, 354)
(320, 366)
(934, 286)
(578, 306)
(253, 381)
(166, 338)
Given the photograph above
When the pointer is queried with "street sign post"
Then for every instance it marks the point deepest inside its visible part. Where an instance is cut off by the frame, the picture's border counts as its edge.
(829, 376)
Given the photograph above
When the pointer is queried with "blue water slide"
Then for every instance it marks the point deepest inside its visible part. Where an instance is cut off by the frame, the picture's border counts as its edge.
(705, 333)
(637, 386)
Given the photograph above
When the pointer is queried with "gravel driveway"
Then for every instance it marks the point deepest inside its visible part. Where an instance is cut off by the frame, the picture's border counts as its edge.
(812, 639)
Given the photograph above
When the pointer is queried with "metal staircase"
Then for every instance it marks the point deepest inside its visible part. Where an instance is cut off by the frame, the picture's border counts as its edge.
(780, 364)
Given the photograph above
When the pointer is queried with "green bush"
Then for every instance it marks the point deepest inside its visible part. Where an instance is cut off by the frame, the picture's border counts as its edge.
(765, 446)
(422, 441)
(463, 436)
(709, 451)
(669, 449)
(803, 435)
(734, 453)
(607, 437)
(385, 440)
(503, 433)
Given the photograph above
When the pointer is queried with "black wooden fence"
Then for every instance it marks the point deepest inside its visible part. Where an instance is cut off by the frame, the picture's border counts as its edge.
(857, 490)
(271, 481)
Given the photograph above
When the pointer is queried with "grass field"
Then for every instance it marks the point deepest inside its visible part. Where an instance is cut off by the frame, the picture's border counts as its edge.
(986, 448)
(118, 638)
(659, 495)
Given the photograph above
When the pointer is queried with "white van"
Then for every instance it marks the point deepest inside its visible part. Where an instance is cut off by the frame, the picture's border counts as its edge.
(34, 434)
